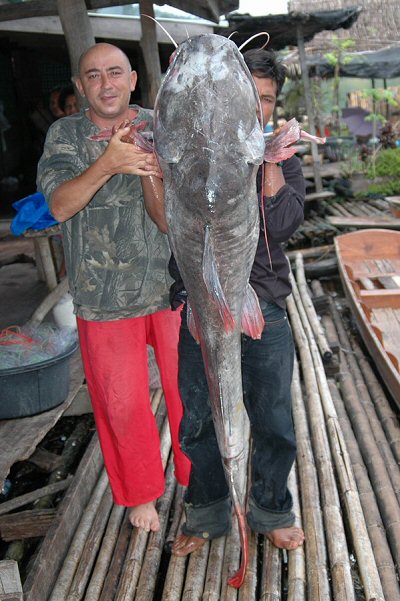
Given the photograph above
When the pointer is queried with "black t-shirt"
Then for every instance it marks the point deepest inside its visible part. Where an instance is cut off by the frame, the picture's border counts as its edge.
(283, 215)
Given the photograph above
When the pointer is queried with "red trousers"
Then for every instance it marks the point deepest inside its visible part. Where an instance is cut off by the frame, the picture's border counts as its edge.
(114, 355)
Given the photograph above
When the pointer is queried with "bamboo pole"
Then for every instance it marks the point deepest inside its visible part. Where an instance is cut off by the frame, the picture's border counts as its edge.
(387, 500)
(366, 407)
(271, 573)
(148, 575)
(132, 565)
(66, 574)
(176, 517)
(313, 252)
(137, 546)
(248, 590)
(361, 541)
(387, 417)
(230, 564)
(296, 558)
(315, 546)
(336, 540)
(196, 573)
(90, 549)
(174, 579)
(31, 497)
(370, 508)
(106, 552)
(212, 585)
(312, 316)
(110, 584)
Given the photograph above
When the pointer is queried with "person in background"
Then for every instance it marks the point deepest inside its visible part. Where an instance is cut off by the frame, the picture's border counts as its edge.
(42, 117)
(68, 101)
(117, 266)
(54, 103)
(267, 366)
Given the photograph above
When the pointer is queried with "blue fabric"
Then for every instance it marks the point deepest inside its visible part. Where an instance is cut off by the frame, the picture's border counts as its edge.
(267, 366)
(32, 214)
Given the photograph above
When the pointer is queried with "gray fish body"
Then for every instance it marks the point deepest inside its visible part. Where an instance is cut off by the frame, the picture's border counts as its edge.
(209, 144)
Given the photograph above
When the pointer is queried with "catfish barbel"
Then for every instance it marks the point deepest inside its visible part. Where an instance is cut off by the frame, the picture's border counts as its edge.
(210, 144)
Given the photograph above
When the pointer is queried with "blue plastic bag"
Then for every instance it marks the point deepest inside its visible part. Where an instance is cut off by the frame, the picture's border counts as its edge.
(32, 214)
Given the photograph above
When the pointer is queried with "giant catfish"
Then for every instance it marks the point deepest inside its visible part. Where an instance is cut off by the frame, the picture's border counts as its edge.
(209, 144)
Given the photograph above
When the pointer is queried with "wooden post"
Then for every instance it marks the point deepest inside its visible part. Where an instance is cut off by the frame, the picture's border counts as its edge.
(309, 107)
(149, 46)
(10, 581)
(78, 34)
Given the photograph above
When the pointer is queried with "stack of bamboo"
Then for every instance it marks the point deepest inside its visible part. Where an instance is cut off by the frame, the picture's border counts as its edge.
(345, 485)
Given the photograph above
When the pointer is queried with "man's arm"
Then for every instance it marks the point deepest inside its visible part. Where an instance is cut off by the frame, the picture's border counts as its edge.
(153, 193)
(73, 195)
(284, 205)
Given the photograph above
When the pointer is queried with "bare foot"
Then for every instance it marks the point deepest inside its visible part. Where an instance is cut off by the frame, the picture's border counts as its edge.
(184, 545)
(145, 516)
(286, 538)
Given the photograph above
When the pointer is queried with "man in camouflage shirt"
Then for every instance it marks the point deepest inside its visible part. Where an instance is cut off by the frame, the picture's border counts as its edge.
(117, 259)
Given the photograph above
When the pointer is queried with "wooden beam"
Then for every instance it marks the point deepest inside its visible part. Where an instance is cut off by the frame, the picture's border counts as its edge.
(381, 298)
(310, 110)
(365, 222)
(149, 47)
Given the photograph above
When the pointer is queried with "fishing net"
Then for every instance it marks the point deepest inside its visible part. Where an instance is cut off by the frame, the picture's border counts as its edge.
(20, 346)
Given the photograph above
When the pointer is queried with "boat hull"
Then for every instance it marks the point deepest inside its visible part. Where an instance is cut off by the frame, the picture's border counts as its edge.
(369, 265)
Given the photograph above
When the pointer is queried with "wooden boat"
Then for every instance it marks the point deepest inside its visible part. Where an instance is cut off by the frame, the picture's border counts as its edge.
(369, 264)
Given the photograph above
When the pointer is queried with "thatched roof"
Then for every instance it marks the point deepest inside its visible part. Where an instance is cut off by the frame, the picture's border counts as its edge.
(377, 26)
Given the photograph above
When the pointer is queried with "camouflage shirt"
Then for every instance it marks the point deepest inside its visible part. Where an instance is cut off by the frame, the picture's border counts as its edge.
(116, 258)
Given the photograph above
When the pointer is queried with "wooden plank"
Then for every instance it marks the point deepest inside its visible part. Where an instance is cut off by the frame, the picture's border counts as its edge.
(10, 581)
(323, 195)
(45, 460)
(81, 403)
(365, 222)
(26, 524)
(30, 497)
(327, 170)
(53, 550)
(19, 437)
(374, 275)
(381, 297)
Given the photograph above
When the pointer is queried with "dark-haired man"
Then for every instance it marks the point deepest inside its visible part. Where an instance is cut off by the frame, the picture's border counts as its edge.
(267, 366)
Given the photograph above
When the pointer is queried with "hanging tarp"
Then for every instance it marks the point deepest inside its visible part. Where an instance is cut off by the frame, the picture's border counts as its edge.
(379, 64)
(283, 28)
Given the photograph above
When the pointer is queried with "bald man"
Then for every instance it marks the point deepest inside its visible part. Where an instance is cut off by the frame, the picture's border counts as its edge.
(117, 255)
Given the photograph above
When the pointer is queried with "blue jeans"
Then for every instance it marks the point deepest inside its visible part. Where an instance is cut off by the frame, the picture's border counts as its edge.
(267, 368)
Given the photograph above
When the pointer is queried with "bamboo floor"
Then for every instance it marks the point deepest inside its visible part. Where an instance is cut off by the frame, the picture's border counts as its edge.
(345, 485)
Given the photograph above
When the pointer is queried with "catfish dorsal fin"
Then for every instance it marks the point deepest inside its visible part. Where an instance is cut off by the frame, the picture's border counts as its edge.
(213, 285)
(252, 317)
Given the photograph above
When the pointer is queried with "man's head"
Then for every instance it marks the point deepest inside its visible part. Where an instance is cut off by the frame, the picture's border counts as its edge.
(107, 80)
(269, 76)
(67, 101)
(54, 104)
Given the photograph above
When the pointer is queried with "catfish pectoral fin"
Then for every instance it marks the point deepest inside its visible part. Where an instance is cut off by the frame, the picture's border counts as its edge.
(252, 317)
(213, 285)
